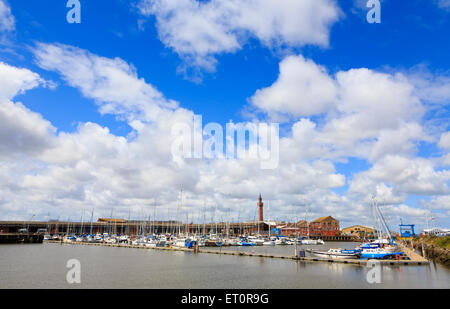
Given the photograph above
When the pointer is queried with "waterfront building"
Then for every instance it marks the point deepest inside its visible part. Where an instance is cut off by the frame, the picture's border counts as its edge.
(324, 226)
(111, 220)
(289, 229)
(358, 231)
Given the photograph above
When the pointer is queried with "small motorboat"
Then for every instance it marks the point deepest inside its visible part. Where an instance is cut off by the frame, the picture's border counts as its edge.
(337, 253)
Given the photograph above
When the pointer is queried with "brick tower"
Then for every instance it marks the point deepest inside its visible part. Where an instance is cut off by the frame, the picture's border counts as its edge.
(260, 209)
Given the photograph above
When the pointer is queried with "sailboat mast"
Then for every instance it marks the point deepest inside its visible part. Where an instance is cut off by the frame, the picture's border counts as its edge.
(306, 218)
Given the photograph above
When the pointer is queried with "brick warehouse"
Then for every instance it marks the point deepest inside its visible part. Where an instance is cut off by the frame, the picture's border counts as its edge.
(300, 229)
(324, 226)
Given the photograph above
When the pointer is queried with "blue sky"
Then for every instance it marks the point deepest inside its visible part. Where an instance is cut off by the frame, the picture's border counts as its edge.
(411, 41)
(407, 37)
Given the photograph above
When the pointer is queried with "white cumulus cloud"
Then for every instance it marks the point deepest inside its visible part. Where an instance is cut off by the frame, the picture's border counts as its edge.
(199, 30)
(113, 83)
(303, 88)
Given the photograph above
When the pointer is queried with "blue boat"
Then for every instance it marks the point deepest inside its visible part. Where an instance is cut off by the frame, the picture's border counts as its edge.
(191, 244)
(370, 246)
(354, 251)
(379, 253)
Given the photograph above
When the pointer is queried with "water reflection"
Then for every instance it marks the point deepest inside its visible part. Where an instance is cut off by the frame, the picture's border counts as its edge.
(44, 266)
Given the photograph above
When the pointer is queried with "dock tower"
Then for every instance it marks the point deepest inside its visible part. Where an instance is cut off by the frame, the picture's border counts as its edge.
(260, 209)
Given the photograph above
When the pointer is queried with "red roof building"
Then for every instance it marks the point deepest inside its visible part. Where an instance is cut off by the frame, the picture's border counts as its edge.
(288, 229)
(324, 226)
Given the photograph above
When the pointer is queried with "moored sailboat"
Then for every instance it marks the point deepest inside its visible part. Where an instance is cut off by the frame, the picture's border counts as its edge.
(337, 253)
(384, 247)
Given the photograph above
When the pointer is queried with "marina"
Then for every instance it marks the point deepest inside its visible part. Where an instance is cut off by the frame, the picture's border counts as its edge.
(202, 254)
(414, 259)
(113, 266)
(304, 237)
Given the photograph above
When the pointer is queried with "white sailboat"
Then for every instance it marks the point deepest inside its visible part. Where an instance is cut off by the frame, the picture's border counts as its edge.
(310, 241)
(337, 253)
(255, 240)
(281, 241)
(384, 247)
(270, 241)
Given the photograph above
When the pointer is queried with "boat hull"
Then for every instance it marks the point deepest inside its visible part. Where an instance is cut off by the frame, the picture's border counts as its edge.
(326, 254)
(380, 255)
(312, 242)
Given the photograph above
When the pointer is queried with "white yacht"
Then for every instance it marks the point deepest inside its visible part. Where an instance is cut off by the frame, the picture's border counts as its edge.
(255, 240)
(139, 242)
(153, 243)
(337, 253)
(312, 242)
(269, 242)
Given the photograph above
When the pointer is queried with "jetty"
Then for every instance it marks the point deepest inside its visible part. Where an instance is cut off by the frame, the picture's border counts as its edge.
(412, 259)
(411, 254)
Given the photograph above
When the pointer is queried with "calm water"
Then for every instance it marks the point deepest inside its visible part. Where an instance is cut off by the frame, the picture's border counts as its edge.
(44, 266)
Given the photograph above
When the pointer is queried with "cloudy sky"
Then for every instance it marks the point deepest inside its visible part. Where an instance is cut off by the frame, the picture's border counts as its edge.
(87, 110)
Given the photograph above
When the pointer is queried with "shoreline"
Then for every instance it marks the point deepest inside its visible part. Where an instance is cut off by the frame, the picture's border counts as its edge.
(429, 249)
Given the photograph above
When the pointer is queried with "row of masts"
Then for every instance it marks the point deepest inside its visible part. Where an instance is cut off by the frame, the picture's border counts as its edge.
(172, 227)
